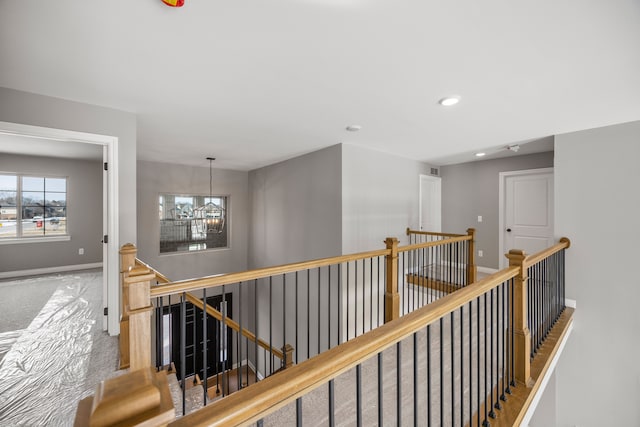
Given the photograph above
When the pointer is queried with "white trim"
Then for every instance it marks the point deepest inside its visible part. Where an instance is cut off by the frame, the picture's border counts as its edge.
(49, 270)
(260, 376)
(571, 303)
(502, 177)
(536, 399)
(63, 238)
(487, 270)
(111, 142)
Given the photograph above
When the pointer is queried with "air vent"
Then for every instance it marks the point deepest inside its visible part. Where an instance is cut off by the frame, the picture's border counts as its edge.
(434, 171)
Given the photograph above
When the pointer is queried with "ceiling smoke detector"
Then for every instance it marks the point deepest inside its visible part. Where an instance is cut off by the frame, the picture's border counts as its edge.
(514, 148)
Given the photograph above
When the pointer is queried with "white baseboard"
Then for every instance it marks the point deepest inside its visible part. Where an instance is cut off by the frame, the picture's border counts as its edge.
(487, 270)
(49, 270)
(570, 303)
(260, 376)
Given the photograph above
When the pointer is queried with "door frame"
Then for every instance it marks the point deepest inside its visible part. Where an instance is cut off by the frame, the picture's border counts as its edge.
(434, 179)
(110, 266)
(502, 206)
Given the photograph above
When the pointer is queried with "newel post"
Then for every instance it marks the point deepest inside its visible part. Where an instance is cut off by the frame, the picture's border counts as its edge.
(472, 268)
(128, 253)
(135, 324)
(522, 335)
(391, 296)
(288, 355)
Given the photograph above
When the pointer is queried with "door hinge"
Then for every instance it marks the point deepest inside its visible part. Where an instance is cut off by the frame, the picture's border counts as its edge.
(106, 311)
(106, 166)
(105, 239)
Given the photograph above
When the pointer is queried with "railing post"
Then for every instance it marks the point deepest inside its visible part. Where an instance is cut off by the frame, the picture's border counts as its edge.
(391, 296)
(128, 253)
(288, 355)
(139, 309)
(522, 335)
(472, 268)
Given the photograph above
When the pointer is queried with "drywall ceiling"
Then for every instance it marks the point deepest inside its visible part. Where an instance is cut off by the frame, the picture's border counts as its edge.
(256, 82)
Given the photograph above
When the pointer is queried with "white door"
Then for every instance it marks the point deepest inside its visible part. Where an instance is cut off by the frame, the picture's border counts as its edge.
(105, 231)
(430, 203)
(527, 220)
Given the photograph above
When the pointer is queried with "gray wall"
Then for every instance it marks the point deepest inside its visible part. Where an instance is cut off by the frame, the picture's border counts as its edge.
(296, 208)
(597, 206)
(38, 110)
(156, 178)
(380, 197)
(84, 214)
(471, 189)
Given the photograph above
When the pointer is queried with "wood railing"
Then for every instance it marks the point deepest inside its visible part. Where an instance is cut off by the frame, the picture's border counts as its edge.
(509, 329)
(515, 343)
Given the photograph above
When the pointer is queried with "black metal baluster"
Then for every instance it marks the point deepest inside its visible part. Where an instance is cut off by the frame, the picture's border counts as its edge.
(503, 331)
(319, 311)
(441, 377)
(308, 314)
(478, 358)
(332, 410)
(284, 317)
(512, 383)
(339, 303)
(371, 294)
(257, 322)
(453, 365)
(348, 291)
(225, 344)
(297, 320)
(492, 413)
(299, 412)
(204, 346)
(428, 375)
(462, 365)
(415, 378)
(270, 325)
(380, 388)
(471, 361)
(329, 305)
(359, 395)
(485, 423)
(399, 383)
(239, 357)
(364, 308)
(260, 423)
(183, 345)
(355, 300)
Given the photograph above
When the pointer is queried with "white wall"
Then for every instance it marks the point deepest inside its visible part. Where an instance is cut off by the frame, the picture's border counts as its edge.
(157, 178)
(597, 181)
(380, 197)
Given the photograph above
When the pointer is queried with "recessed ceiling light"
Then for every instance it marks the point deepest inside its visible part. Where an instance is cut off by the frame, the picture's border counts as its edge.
(448, 101)
(481, 154)
(353, 128)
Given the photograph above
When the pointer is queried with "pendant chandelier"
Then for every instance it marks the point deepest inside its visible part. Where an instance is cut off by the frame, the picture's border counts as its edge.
(210, 217)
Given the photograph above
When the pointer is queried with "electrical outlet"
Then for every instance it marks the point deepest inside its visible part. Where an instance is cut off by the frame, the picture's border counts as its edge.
(480, 253)
(479, 218)
(81, 251)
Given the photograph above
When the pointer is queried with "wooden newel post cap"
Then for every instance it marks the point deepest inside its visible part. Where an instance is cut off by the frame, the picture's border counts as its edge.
(566, 240)
(471, 231)
(391, 241)
(516, 256)
(128, 248)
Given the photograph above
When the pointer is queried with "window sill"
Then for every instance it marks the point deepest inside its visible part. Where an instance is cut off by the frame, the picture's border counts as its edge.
(64, 238)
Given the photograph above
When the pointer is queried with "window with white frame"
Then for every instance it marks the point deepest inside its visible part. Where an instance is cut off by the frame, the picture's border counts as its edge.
(32, 206)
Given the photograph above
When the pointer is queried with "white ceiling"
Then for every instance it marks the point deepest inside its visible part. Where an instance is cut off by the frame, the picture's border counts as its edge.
(255, 82)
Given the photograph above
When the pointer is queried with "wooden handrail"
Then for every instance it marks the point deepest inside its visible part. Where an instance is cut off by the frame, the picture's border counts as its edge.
(161, 278)
(235, 326)
(432, 233)
(189, 285)
(257, 401)
(458, 238)
(530, 260)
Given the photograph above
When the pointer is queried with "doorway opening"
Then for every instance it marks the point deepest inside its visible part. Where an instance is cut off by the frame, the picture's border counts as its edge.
(110, 256)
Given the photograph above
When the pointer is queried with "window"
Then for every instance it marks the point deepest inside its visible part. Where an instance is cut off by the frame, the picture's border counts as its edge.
(185, 225)
(32, 206)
